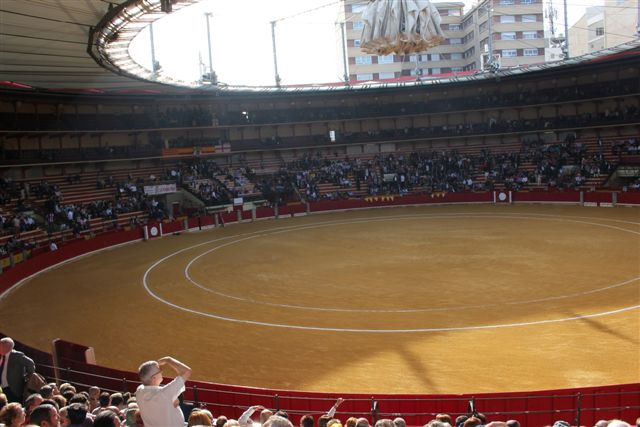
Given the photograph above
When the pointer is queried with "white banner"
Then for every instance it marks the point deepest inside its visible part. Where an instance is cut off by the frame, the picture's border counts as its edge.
(154, 190)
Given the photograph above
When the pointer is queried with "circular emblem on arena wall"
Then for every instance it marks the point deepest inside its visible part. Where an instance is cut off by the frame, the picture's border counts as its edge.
(154, 231)
(502, 196)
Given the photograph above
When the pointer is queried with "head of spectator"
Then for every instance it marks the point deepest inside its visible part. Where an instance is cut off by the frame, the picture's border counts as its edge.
(31, 402)
(323, 420)
(68, 394)
(601, 423)
(277, 421)
(460, 419)
(12, 415)
(435, 423)
(618, 423)
(400, 422)
(472, 422)
(362, 422)
(445, 418)
(50, 402)
(351, 422)
(60, 400)
(46, 391)
(282, 414)
(264, 415)
(118, 401)
(77, 413)
(64, 417)
(3, 400)
(334, 422)
(104, 399)
(513, 423)
(221, 421)
(561, 423)
(199, 418)
(481, 417)
(54, 387)
(384, 422)
(66, 386)
(107, 419)
(79, 398)
(45, 416)
(231, 423)
(307, 421)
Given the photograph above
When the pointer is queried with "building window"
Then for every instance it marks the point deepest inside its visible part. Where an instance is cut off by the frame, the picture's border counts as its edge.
(529, 18)
(456, 56)
(454, 12)
(483, 27)
(599, 31)
(531, 52)
(507, 2)
(413, 58)
(510, 53)
(358, 8)
(507, 19)
(508, 35)
(387, 75)
(435, 71)
(363, 60)
(454, 27)
(358, 25)
(526, 1)
(529, 34)
(435, 57)
(356, 43)
(456, 69)
(386, 59)
(362, 77)
(455, 40)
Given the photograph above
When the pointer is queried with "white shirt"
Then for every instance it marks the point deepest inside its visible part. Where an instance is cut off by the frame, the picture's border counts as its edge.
(156, 404)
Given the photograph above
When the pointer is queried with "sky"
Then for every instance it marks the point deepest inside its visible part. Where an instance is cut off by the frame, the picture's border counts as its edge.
(307, 40)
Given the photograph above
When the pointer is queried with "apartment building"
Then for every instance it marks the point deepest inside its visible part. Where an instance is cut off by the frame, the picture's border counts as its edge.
(517, 38)
(614, 23)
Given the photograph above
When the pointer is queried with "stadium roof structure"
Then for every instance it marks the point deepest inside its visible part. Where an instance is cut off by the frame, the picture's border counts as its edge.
(61, 46)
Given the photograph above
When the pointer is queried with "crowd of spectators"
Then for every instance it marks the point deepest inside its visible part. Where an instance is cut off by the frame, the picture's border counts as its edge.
(66, 406)
(214, 184)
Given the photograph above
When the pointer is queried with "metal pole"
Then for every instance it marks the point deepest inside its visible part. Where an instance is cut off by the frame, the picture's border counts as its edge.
(344, 53)
(208, 16)
(578, 408)
(275, 55)
(566, 30)
(153, 50)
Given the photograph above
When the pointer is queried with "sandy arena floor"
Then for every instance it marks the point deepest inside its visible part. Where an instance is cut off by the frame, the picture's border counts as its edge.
(442, 299)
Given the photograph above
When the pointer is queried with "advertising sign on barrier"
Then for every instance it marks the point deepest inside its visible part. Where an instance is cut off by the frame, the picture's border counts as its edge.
(155, 190)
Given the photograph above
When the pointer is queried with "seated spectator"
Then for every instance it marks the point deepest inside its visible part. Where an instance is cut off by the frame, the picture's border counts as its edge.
(107, 418)
(12, 415)
(45, 416)
(199, 418)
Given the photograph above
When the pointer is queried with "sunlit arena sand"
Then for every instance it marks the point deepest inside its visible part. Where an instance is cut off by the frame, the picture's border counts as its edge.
(437, 299)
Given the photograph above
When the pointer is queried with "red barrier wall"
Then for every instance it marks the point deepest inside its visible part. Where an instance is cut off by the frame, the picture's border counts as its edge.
(629, 197)
(65, 252)
(549, 197)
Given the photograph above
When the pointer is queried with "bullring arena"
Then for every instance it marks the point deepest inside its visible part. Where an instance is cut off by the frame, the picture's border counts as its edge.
(376, 301)
(462, 242)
